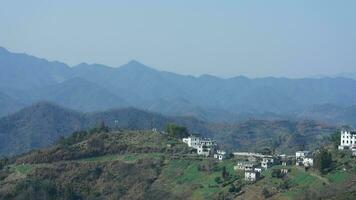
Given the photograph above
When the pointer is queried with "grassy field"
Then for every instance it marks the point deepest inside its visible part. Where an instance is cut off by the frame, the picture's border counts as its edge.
(23, 168)
(186, 176)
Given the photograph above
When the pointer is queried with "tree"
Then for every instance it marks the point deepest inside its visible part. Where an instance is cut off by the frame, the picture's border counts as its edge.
(335, 139)
(323, 160)
(233, 188)
(177, 131)
(266, 151)
(225, 174)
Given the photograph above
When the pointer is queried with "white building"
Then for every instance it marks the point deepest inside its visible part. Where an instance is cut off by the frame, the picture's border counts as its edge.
(192, 141)
(258, 170)
(204, 150)
(308, 162)
(304, 158)
(203, 146)
(247, 166)
(252, 176)
(301, 154)
(267, 162)
(347, 139)
(220, 155)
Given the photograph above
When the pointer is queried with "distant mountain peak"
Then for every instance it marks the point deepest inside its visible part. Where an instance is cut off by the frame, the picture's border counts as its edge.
(134, 62)
(136, 66)
(3, 50)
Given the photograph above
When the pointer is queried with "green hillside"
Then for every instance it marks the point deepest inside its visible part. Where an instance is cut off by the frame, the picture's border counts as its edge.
(126, 164)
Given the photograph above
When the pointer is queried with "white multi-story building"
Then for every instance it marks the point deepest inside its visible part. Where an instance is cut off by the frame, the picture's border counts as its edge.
(252, 176)
(192, 141)
(347, 139)
(204, 146)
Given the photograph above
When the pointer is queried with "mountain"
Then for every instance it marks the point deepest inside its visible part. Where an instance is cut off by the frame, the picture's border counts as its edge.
(43, 123)
(37, 126)
(22, 71)
(8, 104)
(328, 113)
(79, 94)
(135, 84)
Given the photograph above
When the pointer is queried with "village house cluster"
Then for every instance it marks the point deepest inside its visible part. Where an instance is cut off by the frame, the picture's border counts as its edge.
(348, 141)
(256, 163)
(253, 163)
(205, 146)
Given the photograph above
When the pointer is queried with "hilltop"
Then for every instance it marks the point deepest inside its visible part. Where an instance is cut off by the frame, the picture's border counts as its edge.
(128, 164)
(41, 124)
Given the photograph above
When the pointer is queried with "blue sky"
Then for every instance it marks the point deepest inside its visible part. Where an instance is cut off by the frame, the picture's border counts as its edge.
(293, 38)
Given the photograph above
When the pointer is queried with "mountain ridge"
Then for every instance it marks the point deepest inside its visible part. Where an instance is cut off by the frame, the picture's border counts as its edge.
(43, 123)
(207, 97)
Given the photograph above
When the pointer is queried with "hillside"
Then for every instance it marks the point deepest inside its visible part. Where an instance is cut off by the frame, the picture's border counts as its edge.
(135, 84)
(338, 115)
(43, 123)
(37, 126)
(282, 136)
(148, 165)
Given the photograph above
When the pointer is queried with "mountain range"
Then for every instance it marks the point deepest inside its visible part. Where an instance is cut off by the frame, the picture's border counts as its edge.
(42, 124)
(26, 79)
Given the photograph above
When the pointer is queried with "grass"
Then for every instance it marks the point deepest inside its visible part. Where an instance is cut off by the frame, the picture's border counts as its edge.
(338, 176)
(23, 168)
(184, 176)
(302, 181)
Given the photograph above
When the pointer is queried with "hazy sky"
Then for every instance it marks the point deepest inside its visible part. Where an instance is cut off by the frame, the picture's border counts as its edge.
(292, 38)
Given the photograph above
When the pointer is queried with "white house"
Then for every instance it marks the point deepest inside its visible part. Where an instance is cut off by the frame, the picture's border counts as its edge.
(220, 154)
(301, 154)
(347, 139)
(252, 176)
(247, 166)
(267, 162)
(204, 146)
(308, 162)
(192, 141)
(258, 170)
(304, 158)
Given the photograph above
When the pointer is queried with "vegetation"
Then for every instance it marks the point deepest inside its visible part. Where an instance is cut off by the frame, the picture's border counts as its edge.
(42, 124)
(127, 164)
(323, 160)
(177, 131)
